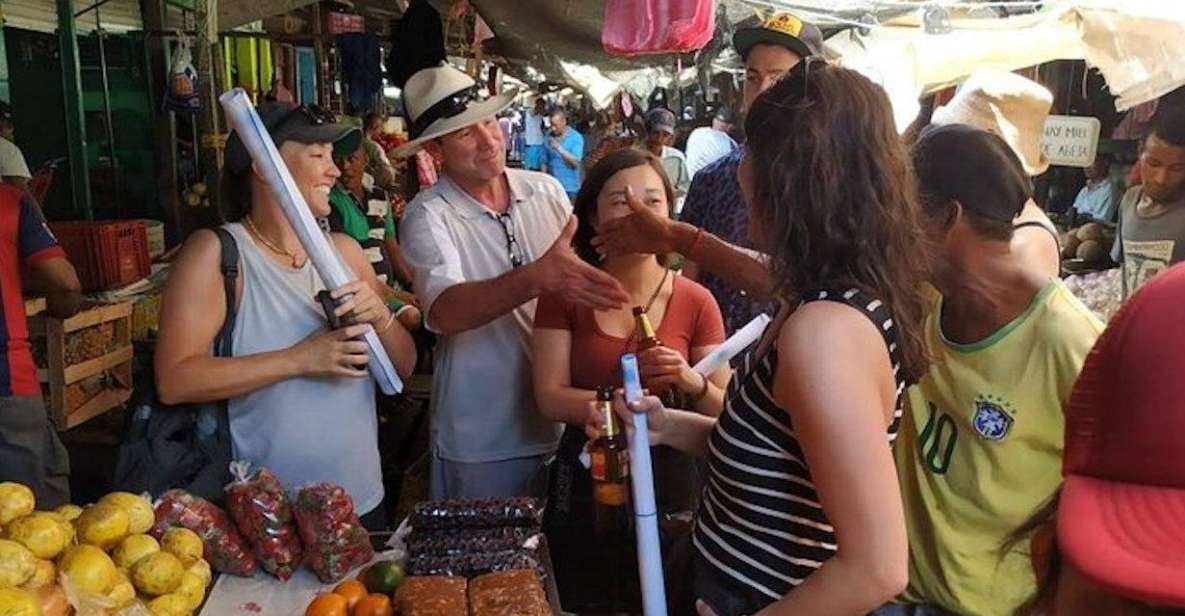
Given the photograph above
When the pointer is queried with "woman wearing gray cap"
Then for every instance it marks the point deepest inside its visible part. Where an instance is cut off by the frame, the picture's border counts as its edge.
(298, 399)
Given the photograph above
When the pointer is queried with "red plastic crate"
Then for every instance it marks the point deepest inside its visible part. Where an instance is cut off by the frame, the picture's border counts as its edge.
(106, 253)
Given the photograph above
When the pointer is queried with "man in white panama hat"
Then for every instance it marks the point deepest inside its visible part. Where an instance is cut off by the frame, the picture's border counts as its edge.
(484, 242)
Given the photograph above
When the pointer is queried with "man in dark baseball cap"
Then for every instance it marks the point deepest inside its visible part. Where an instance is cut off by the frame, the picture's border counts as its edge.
(980, 445)
(660, 133)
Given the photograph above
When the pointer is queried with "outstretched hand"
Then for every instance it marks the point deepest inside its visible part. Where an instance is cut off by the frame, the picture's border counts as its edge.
(563, 273)
(643, 231)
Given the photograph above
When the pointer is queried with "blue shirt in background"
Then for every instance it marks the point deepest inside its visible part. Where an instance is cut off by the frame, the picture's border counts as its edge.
(1099, 201)
(569, 175)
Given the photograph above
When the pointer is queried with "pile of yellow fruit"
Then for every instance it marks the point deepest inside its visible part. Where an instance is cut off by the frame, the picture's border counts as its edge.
(101, 554)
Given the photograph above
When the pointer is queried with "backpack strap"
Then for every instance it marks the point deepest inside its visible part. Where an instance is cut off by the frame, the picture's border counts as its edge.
(230, 274)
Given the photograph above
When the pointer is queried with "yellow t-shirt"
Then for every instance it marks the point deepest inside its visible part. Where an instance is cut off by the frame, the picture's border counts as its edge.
(980, 450)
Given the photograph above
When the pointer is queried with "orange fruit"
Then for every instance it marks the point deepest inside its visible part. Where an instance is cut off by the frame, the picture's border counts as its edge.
(328, 604)
(373, 605)
(352, 590)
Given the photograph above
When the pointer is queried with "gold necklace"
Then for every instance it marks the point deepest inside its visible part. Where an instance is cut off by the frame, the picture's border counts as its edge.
(250, 224)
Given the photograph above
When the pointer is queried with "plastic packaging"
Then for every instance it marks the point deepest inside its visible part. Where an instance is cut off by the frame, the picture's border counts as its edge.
(260, 508)
(470, 541)
(472, 565)
(483, 513)
(334, 540)
(224, 547)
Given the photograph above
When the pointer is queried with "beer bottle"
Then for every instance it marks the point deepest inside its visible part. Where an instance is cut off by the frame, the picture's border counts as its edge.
(672, 398)
(610, 469)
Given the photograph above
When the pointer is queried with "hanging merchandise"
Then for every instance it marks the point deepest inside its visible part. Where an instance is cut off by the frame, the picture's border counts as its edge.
(182, 93)
(417, 42)
(361, 68)
(638, 27)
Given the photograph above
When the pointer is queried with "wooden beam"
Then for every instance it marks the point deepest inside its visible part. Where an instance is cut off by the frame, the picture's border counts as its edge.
(235, 13)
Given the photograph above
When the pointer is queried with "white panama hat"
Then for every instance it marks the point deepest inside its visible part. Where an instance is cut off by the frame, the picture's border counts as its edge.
(1004, 103)
(441, 100)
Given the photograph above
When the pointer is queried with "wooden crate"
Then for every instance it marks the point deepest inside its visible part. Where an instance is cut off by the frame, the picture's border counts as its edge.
(57, 376)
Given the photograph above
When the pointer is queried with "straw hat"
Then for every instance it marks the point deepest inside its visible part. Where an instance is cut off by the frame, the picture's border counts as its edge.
(441, 100)
(1008, 105)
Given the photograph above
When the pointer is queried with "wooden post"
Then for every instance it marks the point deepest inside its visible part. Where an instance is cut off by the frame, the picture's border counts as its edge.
(80, 183)
(164, 126)
(323, 87)
(209, 67)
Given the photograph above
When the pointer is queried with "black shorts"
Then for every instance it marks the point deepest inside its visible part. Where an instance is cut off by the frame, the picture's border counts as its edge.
(30, 451)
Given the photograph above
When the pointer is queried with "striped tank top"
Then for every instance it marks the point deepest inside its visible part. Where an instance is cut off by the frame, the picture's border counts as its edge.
(760, 528)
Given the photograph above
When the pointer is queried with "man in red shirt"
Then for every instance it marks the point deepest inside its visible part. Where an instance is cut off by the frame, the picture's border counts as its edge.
(30, 452)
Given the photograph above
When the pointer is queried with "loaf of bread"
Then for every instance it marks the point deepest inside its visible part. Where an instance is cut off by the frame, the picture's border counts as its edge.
(432, 596)
(508, 593)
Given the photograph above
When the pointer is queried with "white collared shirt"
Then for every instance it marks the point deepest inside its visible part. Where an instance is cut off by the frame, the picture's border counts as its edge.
(483, 402)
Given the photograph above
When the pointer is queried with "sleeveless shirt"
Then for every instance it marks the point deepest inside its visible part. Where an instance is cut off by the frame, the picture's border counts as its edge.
(304, 429)
(760, 525)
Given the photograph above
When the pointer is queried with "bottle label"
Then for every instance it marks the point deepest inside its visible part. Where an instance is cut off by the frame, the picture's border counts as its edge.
(610, 493)
(598, 465)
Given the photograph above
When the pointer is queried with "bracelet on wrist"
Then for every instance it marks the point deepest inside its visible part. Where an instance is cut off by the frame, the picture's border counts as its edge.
(387, 325)
(687, 252)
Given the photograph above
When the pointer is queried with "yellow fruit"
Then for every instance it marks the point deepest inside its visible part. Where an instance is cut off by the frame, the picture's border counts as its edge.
(44, 574)
(69, 511)
(192, 588)
(102, 525)
(89, 569)
(157, 574)
(132, 549)
(17, 564)
(17, 602)
(184, 544)
(41, 532)
(16, 500)
(122, 594)
(169, 605)
(201, 569)
(139, 510)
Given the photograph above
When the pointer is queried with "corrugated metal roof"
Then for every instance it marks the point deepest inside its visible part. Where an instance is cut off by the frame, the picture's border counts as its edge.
(42, 15)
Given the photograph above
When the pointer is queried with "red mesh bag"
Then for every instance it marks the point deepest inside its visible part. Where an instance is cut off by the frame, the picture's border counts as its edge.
(260, 508)
(334, 540)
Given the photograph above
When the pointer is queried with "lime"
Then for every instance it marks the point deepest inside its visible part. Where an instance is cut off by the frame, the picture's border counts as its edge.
(383, 577)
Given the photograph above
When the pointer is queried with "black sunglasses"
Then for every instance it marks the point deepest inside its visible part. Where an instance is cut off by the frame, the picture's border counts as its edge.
(513, 250)
(314, 114)
(447, 107)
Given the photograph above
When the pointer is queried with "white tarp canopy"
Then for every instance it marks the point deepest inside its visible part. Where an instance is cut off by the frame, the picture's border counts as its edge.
(1138, 46)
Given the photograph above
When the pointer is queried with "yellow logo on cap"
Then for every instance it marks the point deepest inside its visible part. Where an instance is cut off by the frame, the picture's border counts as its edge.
(784, 23)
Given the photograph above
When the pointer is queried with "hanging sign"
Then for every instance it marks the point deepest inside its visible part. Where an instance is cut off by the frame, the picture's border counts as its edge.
(1071, 141)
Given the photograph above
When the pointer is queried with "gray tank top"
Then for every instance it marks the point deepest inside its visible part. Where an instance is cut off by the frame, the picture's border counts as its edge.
(304, 429)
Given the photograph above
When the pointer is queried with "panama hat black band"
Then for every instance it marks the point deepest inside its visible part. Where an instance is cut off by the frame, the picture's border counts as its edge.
(448, 107)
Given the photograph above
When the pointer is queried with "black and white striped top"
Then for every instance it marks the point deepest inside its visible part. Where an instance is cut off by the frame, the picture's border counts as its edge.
(760, 524)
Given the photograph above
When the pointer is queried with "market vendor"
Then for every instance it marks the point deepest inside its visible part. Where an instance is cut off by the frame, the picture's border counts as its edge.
(1152, 215)
(30, 451)
(484, 242)
(299, 398)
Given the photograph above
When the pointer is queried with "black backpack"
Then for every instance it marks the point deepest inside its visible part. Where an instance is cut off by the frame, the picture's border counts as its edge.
(185, 446)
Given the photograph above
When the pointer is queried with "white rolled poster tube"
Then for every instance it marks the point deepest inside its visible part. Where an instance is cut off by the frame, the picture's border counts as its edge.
(736, 343)
(654, 595)
(241, 115)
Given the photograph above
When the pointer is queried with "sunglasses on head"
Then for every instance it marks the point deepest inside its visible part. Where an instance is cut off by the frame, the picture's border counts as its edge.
(313, 114)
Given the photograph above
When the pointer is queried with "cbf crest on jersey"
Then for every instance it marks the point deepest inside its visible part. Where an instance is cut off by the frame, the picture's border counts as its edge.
(992, 419)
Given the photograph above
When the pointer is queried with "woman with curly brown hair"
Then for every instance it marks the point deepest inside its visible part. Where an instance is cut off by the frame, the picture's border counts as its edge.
(801, 512)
